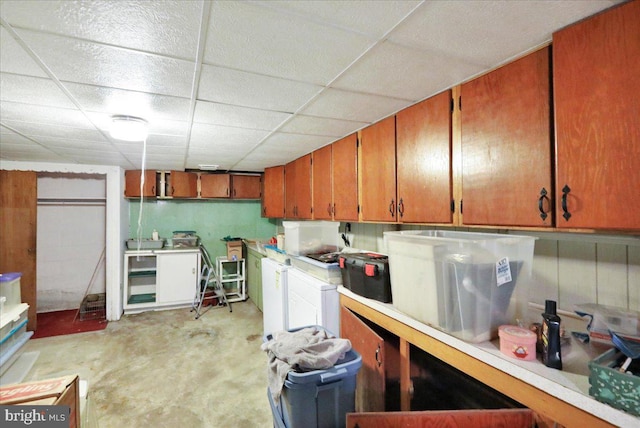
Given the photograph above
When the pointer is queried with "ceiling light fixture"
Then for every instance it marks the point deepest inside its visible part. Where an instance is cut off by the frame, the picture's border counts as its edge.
(208, 167)
(128, 128)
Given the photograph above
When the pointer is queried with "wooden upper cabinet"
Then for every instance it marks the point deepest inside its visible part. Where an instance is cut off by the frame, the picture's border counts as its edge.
(273, 193)
(506, 145)
(423, 150)
(132, 179)
(182, 184)
(344, 165)
(322, 184)
(378, 174)
(215, 185)
(298, 188)
(596, 81)
(246, 186)
(303, 187)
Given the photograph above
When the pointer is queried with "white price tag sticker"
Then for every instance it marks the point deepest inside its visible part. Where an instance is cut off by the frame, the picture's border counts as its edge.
(503, 271)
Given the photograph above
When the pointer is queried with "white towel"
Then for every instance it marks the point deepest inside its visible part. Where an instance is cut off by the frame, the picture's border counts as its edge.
(303, 350)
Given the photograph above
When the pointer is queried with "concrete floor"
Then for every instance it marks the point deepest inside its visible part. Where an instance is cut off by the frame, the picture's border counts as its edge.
(167, 369)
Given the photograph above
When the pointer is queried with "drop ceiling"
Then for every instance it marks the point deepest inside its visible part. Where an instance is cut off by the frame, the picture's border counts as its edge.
(240, 84)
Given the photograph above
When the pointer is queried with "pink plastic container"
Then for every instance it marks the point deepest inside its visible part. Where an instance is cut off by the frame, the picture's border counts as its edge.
(517, 342)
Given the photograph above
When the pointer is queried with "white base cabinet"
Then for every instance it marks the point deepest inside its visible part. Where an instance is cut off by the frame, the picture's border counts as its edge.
(160, 279)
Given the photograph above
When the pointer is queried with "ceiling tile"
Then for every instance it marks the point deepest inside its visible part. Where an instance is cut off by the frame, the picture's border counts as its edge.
(476, 29)
(171, 29)
(241, 88)
(354, 106)
(295, 145)
(151, 107)
(374, 18)
(42, 114)
(402, 72)
(31, 129)
(230, 115)
(14, 59)
(223, 138)
(313, 125)
(32, 90)
(246, 36)
(166, 127)
(73, 60)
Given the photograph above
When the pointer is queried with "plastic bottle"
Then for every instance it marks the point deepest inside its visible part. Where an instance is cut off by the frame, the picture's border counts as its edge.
(551, 355)
(154, 235)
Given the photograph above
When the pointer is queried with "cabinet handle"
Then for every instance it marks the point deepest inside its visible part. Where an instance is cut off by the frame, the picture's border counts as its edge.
(329, 208)
(227, 191)
(565, 192)
(173, 190)
(378, 356)
(541, 199)
(392, 206)
(333, 210)
(401, 208)
(234, 193)
(153, 190)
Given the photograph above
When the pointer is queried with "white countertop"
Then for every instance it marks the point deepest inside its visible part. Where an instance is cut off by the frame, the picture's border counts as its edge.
(165, 250)
(571, 385)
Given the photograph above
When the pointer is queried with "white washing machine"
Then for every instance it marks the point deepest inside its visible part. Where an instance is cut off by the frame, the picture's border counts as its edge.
(312, 302)
(274, 296)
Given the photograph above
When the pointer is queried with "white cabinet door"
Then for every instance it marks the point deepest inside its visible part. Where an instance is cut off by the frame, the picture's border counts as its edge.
(177, 277)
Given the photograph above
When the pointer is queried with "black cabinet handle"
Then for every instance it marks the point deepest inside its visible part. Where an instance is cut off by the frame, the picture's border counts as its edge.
(329, 208)
(392, 206)
(541, 199)
(565, 192)
(401, 208)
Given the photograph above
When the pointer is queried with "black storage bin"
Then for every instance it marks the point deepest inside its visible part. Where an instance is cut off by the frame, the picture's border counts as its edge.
(366, 274)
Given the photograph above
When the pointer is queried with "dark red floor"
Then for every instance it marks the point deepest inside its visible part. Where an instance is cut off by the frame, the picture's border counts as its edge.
(65, 322)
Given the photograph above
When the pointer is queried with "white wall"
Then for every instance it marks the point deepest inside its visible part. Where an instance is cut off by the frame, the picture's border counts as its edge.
(71, 228)
(116, 221)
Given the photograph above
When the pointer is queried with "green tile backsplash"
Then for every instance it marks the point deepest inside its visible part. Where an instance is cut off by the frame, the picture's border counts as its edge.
(212, 220)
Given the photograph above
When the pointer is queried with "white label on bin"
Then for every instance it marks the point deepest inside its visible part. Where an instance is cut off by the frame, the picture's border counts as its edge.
(503, 271)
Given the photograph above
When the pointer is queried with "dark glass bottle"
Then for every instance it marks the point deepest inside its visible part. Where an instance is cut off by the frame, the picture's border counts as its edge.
(551, 355)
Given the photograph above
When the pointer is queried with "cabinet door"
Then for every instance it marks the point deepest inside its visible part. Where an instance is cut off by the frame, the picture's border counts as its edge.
(290, 189)
(254, 277)
(424, 161)
(246, 186)
(273, 194)
(596, 81)
(344, 164)
(177, 277)
(132, 181)
(378, 151)
(215, 185)
(370, 381)
(322, 184)
(506, 145)
(303, 187)
(182, 184)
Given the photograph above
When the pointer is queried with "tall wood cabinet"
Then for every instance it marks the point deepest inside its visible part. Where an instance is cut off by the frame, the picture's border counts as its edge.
(507, 145)
(335, 180)
(273, 192)
(378, 171)
(298, 188)
(322, 177)
(423, 151)
(596, 81)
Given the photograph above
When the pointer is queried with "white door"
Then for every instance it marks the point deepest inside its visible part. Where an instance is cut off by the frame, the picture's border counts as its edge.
(177, 277)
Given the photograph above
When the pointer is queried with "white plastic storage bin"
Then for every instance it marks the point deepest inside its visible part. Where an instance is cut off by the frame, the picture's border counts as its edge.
(10, 289)
(461, 282)
(13, 323)
(307, 237)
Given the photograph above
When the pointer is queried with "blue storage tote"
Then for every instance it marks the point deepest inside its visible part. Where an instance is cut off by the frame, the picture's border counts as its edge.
(318, 398)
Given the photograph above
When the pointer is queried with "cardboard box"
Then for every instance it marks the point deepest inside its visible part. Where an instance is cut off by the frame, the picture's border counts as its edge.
(63, 391)
(234, 250)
